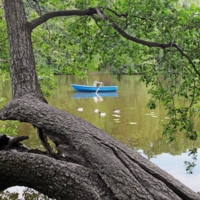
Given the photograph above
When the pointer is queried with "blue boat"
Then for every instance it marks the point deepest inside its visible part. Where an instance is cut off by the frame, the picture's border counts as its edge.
(90, 94)
(89, 88)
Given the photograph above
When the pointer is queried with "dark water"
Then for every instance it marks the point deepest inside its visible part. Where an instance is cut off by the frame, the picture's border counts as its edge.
(135, 125)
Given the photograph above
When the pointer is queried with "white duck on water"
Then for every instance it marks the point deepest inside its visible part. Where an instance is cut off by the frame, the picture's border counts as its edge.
(102, 114)
(79, 109)
(116, 111)
(96, 110)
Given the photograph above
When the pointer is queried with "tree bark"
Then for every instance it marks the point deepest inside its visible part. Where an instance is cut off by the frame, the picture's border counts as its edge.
(60, 180)
(89, 164)
(22, 63)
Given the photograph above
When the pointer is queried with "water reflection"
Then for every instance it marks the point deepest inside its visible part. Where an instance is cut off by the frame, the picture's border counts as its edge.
(177, 170)
(97, 98)
(94, 95)
(135, 125)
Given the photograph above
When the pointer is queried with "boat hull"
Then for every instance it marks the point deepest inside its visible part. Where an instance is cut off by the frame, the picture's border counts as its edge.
(88, 88)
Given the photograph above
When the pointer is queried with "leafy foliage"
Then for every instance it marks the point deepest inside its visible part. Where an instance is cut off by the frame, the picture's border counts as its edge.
(46, 79)
(171, 75)
(190, 165)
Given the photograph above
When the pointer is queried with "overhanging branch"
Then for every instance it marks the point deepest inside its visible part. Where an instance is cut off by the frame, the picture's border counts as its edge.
(40, 20)
(129, 37)
(143, 42)
(91, 11)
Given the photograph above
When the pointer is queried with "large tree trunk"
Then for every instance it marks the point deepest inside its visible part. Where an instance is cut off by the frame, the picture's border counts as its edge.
(22, 62)
(89, 164)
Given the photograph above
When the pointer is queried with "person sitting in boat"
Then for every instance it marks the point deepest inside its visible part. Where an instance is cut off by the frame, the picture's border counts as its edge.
(96, 83)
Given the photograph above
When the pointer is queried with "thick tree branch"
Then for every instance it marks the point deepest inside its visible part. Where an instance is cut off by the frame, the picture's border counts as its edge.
(40, 20)
(91, 11)
(58, 179)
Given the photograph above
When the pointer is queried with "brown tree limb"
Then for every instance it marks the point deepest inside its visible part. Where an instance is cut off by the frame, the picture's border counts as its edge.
(91, 11)
(40, 20)
(58, 179)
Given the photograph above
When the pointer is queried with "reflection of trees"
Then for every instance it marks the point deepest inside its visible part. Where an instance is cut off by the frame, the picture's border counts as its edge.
(28, 194)
(155, 146)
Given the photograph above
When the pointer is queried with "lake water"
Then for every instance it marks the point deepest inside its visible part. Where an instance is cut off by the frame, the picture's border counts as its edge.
(135, 125)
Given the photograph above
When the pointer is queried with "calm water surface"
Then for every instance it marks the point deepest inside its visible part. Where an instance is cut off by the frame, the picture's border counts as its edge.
(135, 125)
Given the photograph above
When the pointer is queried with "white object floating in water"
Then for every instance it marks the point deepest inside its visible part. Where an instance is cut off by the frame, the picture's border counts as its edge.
(102, 114)
(116, 115)
(132, 108)
(116, 119)
(154, 116)
(79, 109)
(116, 111)
(150, 114)
(133, 123)
(167, 118)
(96, 110)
